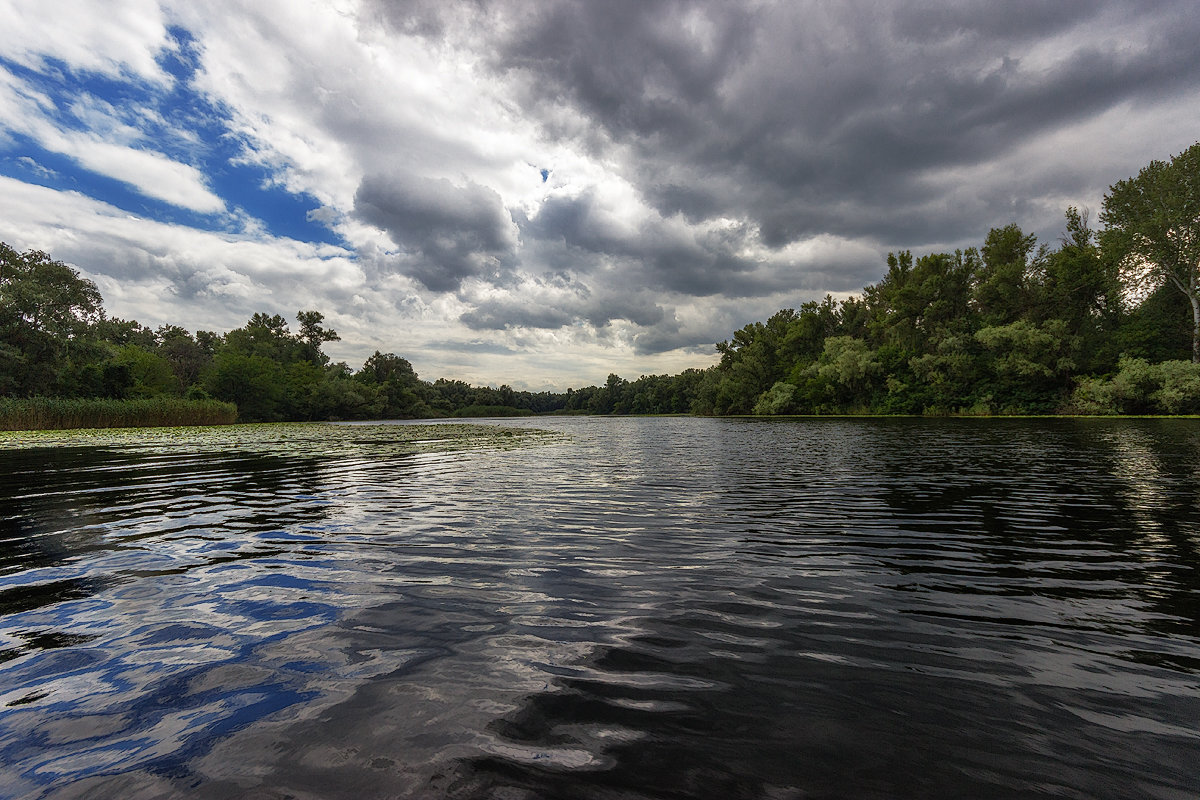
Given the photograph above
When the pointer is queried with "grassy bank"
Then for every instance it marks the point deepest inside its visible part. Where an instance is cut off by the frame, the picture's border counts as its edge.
(52, 413)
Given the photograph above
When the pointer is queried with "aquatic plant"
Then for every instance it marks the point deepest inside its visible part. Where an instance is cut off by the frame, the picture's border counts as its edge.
(58, 413)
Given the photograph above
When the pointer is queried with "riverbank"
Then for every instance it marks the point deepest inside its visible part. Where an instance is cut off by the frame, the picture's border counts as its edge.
(55, 413)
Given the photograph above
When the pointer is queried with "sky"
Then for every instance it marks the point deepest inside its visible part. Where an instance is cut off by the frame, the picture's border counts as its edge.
(539, 193)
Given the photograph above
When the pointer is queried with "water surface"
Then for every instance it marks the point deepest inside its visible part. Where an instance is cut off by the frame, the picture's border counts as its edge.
(658, 608)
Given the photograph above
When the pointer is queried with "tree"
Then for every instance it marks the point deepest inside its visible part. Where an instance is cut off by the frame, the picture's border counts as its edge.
(313, 335)
(916, 306)
(46, 311)
(398, 385)
(151, 373)
(187, 356)
(1152, 225)
(1002, 284)
(255, 383)
(1079, 286)
(265, 336)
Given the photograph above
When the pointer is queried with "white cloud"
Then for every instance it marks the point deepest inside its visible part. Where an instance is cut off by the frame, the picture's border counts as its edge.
(110, 38)
(27, 111)
(707, 166)
(160, 273)
(153, 174)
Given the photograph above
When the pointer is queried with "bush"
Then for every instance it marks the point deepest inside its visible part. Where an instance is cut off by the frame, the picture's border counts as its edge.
(1179, 388)
(779, 399)
(1139, 387)
(1094, 396)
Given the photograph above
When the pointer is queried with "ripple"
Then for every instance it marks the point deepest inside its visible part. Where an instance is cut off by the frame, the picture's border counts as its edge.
(615, 607)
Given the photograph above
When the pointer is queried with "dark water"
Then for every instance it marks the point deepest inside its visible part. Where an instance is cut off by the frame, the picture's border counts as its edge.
(667, 608)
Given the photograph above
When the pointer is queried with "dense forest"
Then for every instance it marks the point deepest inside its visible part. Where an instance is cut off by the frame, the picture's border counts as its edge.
(1104, 322)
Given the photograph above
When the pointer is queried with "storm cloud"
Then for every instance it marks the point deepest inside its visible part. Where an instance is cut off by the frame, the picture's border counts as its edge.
(815, 118)
(565, 188)
(448, 232)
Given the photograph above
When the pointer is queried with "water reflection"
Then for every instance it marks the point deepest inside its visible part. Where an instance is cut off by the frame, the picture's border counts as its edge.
(648, 608)
(181, 586)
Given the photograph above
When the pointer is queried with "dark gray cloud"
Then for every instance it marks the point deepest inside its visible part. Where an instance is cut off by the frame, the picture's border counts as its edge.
(509, 313)
(651, 255)
(826, 118)
(557, 305)
(752, 129)
(448, 232)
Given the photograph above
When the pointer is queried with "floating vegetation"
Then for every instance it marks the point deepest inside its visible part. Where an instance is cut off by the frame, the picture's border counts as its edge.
(292, 438)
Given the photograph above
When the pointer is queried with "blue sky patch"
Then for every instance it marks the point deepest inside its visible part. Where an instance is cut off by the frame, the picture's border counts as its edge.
(173, 120)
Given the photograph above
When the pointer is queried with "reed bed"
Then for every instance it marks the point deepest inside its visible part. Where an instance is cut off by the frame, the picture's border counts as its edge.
(55, 413)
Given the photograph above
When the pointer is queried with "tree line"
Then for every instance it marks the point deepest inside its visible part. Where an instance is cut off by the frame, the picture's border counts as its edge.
(57, 342)
(1107, 321)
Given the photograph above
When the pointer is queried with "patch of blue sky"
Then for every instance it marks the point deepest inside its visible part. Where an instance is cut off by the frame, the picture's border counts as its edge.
(172, 119)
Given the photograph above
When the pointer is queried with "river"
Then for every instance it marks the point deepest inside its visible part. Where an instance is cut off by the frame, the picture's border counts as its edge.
(617, 607)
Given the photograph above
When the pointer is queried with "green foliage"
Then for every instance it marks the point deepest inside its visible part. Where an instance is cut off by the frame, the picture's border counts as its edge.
(1139, 387)
(46, 310)
(254, 383)
(336, 397)
(1027, 365)
(151, 374)
(1178, 390)
(945, 381)
(1159, 329)
(58, 413)
(1094, 396)
(122, 332)
(1003, 284)
(848, 362)
(1098, 325)
(187, 355)
(779, 399)
(1153, 229)
(312, 336)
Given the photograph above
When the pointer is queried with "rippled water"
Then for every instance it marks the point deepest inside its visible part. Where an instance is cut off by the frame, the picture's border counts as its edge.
(668, 608)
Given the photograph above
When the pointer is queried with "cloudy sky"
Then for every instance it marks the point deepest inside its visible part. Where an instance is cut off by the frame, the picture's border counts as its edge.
(540, 193)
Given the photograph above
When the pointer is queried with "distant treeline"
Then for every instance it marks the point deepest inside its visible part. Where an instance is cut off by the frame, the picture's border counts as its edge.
(1104, 323)
(57, 343)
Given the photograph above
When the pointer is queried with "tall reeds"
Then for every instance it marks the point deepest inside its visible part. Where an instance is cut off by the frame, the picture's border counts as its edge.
(54, 413)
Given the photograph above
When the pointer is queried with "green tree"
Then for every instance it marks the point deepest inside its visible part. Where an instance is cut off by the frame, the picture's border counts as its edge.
(916, 305)
(188, 355)
(842, 378)
(1152, 227)
(1158, 329)
(1080, 287)
(1002, 288)
(404, 395)
(46, 312)
(151, 373)
(255, 383)
(779, 399)
(751, 362)
(312, 335)
(807, 332)
(266, 336)
(1029, 364)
